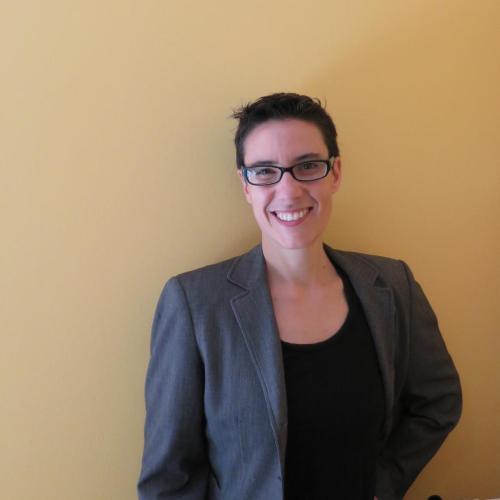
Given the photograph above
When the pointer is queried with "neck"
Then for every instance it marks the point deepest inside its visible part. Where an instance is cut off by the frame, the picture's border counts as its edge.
(303, 267)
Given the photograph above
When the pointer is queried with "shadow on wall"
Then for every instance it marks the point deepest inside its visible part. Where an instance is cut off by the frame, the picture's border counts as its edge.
(425, 83)
(425, 79)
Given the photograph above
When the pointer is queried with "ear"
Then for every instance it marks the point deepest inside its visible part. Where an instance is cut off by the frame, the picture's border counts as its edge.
(244, 185)
(336, 174)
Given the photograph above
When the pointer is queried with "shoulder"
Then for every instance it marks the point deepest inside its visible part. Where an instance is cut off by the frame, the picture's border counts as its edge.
(206, 285)
(379, 261)
(210, 274)
(366, 270)
(387, 267)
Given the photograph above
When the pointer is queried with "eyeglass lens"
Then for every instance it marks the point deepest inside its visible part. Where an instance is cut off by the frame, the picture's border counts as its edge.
(268, 174)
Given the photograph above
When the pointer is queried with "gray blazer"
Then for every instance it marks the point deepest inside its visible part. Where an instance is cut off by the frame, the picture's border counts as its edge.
(216, 416)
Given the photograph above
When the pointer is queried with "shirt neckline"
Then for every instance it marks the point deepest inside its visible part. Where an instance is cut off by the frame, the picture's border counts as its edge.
(348, 291)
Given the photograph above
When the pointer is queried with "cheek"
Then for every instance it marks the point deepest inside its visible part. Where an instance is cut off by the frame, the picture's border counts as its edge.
(259, 208)
(325, 201)
(259, 200)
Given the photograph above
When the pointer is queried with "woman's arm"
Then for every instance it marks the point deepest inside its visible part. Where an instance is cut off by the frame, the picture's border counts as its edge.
(174, 463)
(430, 402)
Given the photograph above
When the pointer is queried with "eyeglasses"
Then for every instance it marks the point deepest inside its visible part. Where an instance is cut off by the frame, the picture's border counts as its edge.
(305, 171)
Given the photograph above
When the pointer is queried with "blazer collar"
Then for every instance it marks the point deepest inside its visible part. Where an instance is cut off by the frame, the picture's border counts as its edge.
(249, 270)
(377, 300)
(254, 313)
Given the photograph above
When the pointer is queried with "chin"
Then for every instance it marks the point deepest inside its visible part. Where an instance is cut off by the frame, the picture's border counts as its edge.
(293, 243)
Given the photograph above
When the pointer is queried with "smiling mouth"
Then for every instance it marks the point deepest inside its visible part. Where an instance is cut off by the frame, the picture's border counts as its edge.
(292, 215)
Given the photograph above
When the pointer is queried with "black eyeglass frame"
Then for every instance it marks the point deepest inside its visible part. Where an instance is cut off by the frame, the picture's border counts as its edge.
(283, 170)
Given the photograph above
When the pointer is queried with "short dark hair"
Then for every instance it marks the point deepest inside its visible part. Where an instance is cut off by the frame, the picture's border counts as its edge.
(281, 106)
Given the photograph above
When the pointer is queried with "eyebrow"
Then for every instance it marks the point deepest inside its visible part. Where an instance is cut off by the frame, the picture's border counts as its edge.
(305, 156)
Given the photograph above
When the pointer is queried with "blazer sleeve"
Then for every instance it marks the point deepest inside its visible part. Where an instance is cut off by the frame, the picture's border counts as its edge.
(430, 402)
(174, 463)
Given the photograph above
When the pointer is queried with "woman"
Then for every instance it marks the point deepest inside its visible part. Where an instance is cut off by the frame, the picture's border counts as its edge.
(293, 371)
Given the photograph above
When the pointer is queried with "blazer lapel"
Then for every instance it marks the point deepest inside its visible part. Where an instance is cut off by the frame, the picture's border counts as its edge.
(255, 316)
(378, 304)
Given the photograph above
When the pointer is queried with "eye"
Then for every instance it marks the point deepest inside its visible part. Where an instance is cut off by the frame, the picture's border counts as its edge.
(310, 167)
(263, 174)
(263, 171)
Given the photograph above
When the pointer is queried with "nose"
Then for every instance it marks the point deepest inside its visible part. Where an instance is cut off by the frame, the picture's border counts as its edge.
(289, 187)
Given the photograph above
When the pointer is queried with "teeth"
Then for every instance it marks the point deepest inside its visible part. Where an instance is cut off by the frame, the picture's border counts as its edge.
(289, 216)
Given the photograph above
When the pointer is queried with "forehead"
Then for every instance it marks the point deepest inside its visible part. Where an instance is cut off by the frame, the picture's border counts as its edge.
(282, 141)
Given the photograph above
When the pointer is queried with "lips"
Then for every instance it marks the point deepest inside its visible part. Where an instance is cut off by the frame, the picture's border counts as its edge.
(291, 217)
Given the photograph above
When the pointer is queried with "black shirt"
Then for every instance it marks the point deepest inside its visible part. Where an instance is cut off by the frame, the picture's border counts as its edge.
(335, 412)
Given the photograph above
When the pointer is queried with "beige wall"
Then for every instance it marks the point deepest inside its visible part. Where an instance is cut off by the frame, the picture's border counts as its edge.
(114, 128)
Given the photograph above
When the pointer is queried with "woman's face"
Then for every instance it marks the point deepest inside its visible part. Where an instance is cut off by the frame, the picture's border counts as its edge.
(290, 214)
